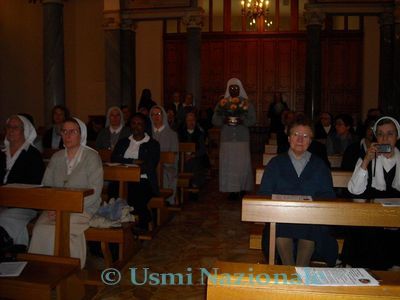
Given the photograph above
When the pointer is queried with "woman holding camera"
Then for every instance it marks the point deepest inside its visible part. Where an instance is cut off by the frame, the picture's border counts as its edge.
(377, 175)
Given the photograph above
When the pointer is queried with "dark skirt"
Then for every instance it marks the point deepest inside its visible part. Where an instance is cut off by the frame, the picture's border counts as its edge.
(326, 247)
(371, 247)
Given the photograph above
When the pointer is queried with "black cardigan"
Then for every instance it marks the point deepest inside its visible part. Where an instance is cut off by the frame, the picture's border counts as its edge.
(28, 168)
(149, 153)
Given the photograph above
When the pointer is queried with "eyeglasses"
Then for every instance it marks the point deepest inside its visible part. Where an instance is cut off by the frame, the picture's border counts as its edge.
(156, 114)
(300, 134)
(69, 131)
(14, 127)
(388, 134)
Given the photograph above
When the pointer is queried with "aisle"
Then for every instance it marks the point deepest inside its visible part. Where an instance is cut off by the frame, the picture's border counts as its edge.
(205, 231)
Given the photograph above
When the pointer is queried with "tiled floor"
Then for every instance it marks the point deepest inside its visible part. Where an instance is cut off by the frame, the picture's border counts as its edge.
(205, 231)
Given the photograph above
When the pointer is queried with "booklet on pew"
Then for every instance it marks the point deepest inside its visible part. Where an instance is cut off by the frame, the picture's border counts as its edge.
(336, 276)
(395, 202)
(12, 269)
(290, 197)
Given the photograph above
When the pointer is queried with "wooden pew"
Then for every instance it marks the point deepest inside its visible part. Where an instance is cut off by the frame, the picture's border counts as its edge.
(267, 157)
(45, 274)
(123, 236)
(105, 154)
(48, 153)
(339, 212)
(247, 286)
(273, 149)
(213, 147)
(158, 203)
(335, 161)
(184, 178)
(339, 178)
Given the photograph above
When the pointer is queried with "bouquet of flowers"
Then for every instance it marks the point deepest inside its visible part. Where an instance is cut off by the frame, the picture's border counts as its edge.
(232, 107)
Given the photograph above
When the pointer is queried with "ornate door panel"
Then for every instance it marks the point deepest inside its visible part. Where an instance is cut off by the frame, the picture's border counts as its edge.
(267, 65)
(174, 69)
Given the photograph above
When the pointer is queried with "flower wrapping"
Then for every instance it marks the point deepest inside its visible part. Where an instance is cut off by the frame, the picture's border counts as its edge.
(232, 107)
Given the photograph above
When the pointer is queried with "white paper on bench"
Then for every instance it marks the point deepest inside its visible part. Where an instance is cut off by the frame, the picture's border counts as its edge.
(12, 269)
(336, 276)
(388, 201)
(111, 164)
(291, 197)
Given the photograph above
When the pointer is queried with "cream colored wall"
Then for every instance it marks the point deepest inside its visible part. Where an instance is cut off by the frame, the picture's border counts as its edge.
(371, 64)
(84, 57)
(149, 59)
(21, 63)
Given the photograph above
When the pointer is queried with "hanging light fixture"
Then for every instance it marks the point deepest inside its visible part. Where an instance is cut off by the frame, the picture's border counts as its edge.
(254, 9)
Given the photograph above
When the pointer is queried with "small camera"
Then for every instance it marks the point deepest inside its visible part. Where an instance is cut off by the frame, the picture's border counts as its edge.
(384, 148)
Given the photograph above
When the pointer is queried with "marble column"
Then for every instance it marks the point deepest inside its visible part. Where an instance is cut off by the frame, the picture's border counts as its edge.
(396, 69)
(312, 99)
(386, 96)
(53, 56)
(128, 64)
(193, 68)
(112, 36)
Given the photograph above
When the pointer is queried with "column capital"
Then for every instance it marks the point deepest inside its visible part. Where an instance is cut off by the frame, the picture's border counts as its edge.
(396, 11)
(314, 17)
(386, 18)
(193, 21)
(112, 20)
(48, 1)
(128, 24)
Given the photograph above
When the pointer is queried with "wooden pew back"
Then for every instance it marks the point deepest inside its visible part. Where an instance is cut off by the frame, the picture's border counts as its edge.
(166, 157)
(249, 281)
(105, 154)
(62, 201)
(123, 174)
(339, 212)
(340, 178)
(183, 149)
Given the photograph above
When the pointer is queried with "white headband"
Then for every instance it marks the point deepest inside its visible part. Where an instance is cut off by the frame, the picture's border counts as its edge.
(391, 119)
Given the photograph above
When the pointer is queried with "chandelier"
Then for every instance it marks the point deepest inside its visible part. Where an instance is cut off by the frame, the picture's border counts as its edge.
(254, 9)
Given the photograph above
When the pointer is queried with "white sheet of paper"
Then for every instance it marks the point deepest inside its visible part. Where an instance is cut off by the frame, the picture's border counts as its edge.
(12, 269)
(290, 197)
(388, 201)
(336, 276)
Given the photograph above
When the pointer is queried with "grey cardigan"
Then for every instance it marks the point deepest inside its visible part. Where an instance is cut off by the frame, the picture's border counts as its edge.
(88, 173)
(103, 139)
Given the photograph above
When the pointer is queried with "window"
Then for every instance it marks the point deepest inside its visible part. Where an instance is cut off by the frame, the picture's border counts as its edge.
(217, 15)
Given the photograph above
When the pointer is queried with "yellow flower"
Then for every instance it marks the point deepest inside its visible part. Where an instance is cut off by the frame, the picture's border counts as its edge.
(235, 100)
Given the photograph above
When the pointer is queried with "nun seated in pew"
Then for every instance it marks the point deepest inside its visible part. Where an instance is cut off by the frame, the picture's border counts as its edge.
(376, 175)
(299, 172)
(20, 162)
(76, 166)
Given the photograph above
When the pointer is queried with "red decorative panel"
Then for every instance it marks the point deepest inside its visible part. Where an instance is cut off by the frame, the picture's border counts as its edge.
(235, 58)
(268, 65)
(353, 63)
(284, 68)
(337, 62)
(251, 67)
(300, 64)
